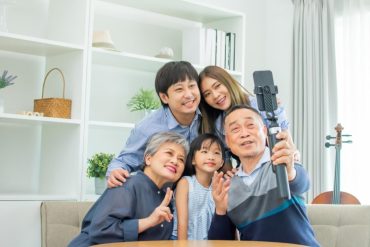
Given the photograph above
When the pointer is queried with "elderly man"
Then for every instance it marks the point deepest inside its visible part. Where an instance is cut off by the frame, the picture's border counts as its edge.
(250, 202)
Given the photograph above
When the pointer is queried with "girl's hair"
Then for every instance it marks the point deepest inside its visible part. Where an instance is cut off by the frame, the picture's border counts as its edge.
(155, 142)
(238, 95)
(197, 145)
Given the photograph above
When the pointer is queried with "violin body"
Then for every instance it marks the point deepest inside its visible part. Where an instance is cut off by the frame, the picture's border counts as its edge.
(327, 198)
(336, 196)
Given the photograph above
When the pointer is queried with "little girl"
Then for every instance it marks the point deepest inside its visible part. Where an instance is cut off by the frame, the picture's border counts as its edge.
(194, 203)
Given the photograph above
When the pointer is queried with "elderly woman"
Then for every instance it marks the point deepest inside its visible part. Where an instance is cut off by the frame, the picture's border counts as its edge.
(139, 209)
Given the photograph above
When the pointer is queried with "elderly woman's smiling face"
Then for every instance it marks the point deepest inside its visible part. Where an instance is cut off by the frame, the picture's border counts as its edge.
(167, 164)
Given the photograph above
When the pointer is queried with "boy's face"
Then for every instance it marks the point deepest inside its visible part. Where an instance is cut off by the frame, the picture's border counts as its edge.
(182, 97)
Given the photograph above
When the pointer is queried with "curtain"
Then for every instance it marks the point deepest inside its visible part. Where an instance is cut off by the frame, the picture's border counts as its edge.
(314, 88)
(352, 37)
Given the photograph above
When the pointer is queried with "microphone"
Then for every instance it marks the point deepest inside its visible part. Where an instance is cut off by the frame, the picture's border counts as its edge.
(266, 91)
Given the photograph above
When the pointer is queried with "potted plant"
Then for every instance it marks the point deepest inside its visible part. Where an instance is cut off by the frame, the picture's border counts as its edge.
(144, 100)
(4, 82)
(98, 165)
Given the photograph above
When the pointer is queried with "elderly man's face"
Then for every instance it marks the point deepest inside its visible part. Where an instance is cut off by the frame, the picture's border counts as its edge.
(245, 133)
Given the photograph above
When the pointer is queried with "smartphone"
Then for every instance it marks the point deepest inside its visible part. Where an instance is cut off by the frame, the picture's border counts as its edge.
(265, 90)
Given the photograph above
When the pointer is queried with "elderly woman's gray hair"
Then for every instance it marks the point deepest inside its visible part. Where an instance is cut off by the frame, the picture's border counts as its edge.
(160, 138)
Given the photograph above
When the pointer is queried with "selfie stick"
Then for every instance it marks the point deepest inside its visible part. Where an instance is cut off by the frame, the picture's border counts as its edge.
(266, 98)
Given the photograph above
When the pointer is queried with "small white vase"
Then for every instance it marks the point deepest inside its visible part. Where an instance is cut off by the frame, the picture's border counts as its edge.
(100, 185)
(148, 112)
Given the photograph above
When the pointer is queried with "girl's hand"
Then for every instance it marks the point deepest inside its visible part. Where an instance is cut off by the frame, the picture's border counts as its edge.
(220, 188)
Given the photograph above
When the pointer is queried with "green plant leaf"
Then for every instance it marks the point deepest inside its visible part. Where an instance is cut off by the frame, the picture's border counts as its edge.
(98, 164)
(144, 100)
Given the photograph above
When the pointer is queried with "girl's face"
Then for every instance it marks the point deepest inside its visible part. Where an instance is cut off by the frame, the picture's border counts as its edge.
(167, 164)
(209, 158)
(215, 94)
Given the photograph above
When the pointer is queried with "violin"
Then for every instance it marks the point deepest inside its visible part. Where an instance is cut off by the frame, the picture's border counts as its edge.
(336, 196)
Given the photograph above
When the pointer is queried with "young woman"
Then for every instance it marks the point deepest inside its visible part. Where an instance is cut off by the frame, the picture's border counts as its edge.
(193, 196)
(139, 209)
(220, 91)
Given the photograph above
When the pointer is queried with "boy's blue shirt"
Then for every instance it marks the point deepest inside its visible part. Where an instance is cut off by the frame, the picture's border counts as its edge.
(131, 157)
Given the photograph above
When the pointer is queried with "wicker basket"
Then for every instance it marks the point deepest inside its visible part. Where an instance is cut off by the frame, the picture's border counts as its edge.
(53, 107)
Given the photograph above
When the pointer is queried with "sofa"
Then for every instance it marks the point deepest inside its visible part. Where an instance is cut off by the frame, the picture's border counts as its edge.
(334, 225)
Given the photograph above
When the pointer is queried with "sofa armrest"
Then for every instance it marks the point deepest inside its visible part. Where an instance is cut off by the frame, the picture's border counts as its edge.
(61, 221)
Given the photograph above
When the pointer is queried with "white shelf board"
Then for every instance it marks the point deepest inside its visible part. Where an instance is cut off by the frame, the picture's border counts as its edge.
(127, 60)
(90, 197)
(34, 46)
(136, 61)
(231, 72)
(111, 124)
(142, 13)
(186, 9)
(38, 197)
(19, 118)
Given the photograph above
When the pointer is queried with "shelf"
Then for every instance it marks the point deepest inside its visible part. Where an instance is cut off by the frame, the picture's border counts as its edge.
(34, 46)
(127, 60)
(91, 197)
(231, 72)
(38, 197)
(18, 118)
(147, 14)
(111, 124)
(186, 9)
(135, 61)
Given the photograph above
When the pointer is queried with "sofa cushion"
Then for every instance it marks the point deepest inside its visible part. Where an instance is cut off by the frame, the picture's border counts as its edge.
(334, 225)
(340, 225)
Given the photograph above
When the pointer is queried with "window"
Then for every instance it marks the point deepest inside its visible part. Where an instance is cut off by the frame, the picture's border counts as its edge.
(352, 41)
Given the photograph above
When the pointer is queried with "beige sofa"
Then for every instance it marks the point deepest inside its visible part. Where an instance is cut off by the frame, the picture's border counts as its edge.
(334, 225)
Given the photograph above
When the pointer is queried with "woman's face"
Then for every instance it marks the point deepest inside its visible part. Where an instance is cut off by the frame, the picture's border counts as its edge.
(215, 94)
(167, 164)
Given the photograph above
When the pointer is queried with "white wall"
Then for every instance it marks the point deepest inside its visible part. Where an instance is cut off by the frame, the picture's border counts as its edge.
(268, 34)
(279, 47)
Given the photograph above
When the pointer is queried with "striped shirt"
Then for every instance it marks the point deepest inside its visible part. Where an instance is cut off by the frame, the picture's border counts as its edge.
(200, 210)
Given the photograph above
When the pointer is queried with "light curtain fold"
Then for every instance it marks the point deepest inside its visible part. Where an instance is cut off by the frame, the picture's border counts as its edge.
(314, 88)
(352, 31)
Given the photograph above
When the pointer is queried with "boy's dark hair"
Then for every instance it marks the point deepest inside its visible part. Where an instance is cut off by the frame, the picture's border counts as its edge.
(173, 72)
(196, 145)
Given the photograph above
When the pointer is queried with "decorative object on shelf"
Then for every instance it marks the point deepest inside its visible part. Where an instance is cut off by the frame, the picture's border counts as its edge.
(32, 113)
(4, 82)
(144, 100)
(53, 107)
(98, 165)
(102, 39)
(165, 52)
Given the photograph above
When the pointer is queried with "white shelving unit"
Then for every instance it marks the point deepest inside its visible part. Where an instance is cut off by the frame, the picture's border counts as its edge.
(45, 158)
